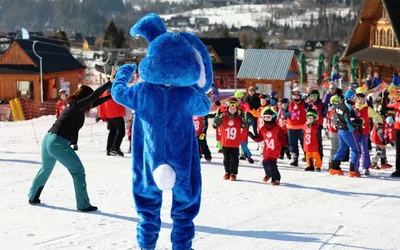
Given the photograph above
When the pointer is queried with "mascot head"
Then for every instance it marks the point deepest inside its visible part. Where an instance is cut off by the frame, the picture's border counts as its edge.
(178, 59)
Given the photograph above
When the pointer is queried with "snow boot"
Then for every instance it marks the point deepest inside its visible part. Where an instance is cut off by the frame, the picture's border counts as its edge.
(88, 209)
(396, 174)
(334, 168)
(208, 159)
(366, 172)
(250, 160)
(242, 157)
(386, 166)
(226, 176)
(34, 202)
(373, 166)
(275, 183)
(354, 174)
(318, 169)
(266, 179)
(233, 178)
(74, 147)
(309, 169)
(294, 161)
(117, 152)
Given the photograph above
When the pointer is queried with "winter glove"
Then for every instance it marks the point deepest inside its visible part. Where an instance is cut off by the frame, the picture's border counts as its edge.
(202, 136)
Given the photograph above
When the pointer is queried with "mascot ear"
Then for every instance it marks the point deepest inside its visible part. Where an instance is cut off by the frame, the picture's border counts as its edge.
(203, 59)
(149, 27)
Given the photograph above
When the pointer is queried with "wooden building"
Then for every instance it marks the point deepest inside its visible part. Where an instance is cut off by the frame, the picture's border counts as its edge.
(270, 70)
(20, 70)
(222, 53)
(375, 39)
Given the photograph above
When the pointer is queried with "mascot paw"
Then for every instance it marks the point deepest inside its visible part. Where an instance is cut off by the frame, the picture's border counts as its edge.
(164, 177)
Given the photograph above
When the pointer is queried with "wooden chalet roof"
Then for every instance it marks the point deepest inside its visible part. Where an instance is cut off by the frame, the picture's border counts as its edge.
(370, 12)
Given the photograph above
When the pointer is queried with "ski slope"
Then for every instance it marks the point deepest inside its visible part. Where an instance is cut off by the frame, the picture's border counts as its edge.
(310, 211)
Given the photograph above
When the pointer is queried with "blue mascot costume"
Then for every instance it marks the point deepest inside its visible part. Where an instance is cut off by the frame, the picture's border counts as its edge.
(177, 72)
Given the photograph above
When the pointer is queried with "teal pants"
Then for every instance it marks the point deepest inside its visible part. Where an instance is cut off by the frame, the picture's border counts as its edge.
(56, 148)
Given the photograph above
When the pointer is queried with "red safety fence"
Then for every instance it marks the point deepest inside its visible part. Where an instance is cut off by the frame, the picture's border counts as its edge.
(34, 109)
(5, 113)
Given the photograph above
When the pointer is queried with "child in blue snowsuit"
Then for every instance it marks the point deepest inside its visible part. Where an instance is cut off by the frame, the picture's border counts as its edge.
(347, 125)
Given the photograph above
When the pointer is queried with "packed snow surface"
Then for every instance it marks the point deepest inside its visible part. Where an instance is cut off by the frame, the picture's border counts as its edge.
(310, 211)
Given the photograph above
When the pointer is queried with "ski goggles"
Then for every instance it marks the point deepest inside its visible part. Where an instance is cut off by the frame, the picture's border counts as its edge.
(360, 95)
(314, 96)
(232, 104)
(311, 117)
(295, 93)
(268, 117)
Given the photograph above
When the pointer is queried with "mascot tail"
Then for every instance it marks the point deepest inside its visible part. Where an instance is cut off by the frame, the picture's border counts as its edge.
(164, 177)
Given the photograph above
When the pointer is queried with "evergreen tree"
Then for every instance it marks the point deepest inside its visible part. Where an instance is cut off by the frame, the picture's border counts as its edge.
(224, 33)
(114, 36)
(61, 35)
(258, 43)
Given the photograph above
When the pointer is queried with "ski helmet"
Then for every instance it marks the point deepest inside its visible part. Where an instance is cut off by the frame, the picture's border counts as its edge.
(239, 94)
(390, 120)
(335, 100)
(372, 97)
(349, 94)
(361, 91)
(313, 114)
(269, 115)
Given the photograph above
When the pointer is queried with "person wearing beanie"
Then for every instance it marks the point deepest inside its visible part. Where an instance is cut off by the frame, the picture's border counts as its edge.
(311, 144)
(365, 112)
(348, 125)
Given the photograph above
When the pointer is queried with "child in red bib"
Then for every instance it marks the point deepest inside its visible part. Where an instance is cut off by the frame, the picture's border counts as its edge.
(273, 137)
(231, 122)
(311, 145)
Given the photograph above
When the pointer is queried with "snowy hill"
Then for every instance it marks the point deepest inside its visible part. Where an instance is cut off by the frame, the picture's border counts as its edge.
(308, 211)
(258, 14)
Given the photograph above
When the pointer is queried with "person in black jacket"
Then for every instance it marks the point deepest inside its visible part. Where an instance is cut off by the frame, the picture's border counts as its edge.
(56, 145)
(253, 99)
(348, 125)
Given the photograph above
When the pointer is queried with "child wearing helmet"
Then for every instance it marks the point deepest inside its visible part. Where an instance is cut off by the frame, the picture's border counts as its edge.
(364, 113)
(232, 121)
(347, 124)
(311, 145)
(201, 126)
(332, 125)
(282, 121)
(273, 138)
(382, 134)
(295, 112)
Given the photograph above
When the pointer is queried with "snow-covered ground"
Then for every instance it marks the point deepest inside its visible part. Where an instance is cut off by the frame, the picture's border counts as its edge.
(308, 211)
(257, 14)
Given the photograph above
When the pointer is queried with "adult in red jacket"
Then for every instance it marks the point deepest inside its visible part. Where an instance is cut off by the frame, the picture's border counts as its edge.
(114, 114)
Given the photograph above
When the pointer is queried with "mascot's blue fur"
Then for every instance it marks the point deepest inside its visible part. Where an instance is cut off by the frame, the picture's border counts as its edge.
(177, 72)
